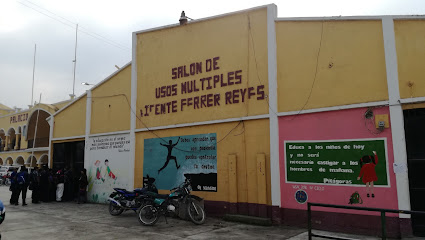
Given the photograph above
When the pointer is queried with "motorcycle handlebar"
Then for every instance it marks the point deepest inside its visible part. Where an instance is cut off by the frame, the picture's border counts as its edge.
(184, 184)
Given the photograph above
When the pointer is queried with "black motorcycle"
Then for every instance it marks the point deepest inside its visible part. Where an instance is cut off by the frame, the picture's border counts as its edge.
(122, 200)
(178, 203)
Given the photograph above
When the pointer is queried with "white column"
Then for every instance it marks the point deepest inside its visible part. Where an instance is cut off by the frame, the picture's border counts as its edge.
(133, 111)
(51, 123)
(88, 127)
(396, 114)
(274, 127)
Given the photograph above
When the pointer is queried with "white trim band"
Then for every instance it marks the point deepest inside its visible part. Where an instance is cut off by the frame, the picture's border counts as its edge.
(109, 133)
(336, 108)
(350, 18)
(69, 138)
(265, 116)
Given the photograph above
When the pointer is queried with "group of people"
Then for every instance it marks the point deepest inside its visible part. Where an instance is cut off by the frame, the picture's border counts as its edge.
(48, 185)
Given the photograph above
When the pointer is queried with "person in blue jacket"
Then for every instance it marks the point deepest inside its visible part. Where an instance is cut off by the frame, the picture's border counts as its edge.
(22, 180)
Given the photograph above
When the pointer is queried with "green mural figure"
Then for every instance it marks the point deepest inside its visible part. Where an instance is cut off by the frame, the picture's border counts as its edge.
(368, 173)
(95, 197)
(355, 198)
(170, 147)
(109, 173)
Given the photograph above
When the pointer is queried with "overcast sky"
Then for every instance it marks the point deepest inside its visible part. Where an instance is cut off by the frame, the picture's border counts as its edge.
(105, 37)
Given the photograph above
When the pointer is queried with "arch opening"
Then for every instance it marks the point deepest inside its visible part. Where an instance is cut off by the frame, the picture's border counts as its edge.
(44, 160)
(12, 139)
(19, 161)
(41, 137)
(31, 161)
(9, 161)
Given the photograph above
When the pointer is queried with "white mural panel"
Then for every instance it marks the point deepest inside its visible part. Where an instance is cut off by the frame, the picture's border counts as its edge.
(108, 164)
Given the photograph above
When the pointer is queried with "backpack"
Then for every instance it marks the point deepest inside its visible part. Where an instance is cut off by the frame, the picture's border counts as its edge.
(355, 198)
(21, 179)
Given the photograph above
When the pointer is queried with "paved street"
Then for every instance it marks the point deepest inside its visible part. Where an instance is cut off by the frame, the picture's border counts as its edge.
(92, 221)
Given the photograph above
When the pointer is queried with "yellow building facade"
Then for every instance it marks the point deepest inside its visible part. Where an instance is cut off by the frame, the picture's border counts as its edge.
(236, 102)
(25, 135)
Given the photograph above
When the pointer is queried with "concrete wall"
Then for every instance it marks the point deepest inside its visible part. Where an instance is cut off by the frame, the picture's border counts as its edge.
(337, 125)
(72, 120)
(337, 62)
(233, 48)
(243, 144)
(410, 45)
(111, 104)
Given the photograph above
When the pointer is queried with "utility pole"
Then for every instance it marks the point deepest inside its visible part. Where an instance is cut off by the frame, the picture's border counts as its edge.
(75, 62)
(33, 74)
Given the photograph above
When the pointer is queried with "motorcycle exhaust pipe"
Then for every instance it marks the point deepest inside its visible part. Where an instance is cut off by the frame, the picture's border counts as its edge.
(115, 201)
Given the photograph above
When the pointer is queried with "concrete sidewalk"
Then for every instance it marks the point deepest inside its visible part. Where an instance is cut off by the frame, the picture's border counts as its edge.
(69, 220)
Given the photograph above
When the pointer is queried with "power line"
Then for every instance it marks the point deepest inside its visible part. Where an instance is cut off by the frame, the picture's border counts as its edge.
(256, 64)
(315, 74)
(71, 24)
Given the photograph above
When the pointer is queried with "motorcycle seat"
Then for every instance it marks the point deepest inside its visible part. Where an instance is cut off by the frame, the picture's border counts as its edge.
(121, 190)
(161, 196)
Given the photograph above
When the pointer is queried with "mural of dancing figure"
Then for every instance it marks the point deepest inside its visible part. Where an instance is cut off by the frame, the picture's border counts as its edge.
(170, 147)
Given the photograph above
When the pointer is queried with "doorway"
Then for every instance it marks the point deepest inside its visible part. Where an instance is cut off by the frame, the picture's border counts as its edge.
(414, 127)
(70, 154)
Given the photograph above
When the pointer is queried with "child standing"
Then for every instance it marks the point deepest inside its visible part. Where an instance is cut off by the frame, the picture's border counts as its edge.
(368, 173)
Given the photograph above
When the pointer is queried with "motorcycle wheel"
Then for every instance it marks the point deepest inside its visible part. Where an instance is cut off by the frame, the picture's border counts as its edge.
(148, 215)
(114, 209)
(195, 212)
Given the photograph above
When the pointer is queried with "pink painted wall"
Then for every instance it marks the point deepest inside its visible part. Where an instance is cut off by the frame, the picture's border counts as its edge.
(334, 125)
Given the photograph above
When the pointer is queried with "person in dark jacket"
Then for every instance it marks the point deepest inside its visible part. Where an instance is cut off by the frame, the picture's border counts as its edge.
(44, 184)
(68, 194)
(23, 181)
(13, 187)
(82, 185)
(35, 185)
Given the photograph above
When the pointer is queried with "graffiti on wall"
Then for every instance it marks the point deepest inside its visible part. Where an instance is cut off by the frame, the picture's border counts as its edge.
(169, 160)
(108, 165)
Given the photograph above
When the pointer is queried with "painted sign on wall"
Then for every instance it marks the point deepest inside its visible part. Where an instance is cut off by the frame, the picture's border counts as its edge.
(169, 160)
(108, 164)
(206, 87)
(19, 118)
(339, 162)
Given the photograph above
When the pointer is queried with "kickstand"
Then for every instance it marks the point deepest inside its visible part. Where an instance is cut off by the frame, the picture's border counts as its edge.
(165, 219)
